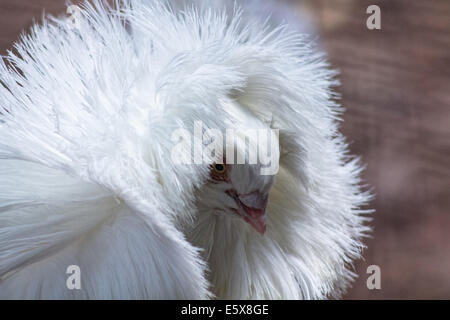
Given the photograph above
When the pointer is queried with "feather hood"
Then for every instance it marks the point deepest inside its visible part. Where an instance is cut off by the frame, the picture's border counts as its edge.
(87, 114)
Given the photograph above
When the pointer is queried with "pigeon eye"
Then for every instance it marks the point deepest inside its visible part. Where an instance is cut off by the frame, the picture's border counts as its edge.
(219, 168)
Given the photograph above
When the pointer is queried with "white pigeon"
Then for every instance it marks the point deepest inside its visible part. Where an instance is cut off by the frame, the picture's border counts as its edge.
(89, 111)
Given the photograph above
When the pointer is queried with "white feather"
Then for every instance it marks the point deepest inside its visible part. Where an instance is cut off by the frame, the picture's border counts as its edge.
(86, 118)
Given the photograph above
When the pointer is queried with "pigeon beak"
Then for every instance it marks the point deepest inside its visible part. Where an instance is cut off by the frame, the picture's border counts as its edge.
(254, 206)
(257, 219)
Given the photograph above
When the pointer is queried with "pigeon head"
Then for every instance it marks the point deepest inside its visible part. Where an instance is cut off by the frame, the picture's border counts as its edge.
(239, 190)
(238, 184)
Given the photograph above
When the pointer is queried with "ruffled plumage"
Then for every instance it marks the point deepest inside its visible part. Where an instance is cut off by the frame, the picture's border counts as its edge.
(86, 117)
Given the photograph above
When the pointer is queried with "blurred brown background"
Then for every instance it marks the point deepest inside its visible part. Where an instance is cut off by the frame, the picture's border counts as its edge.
(396, 89)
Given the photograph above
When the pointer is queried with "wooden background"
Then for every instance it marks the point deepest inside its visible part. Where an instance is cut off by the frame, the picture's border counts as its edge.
(396, 89)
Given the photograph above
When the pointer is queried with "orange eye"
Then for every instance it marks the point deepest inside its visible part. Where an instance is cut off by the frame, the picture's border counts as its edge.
(219, 168)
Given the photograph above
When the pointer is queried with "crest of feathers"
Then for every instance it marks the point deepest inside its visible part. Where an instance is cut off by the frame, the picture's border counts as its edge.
(86, 116)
